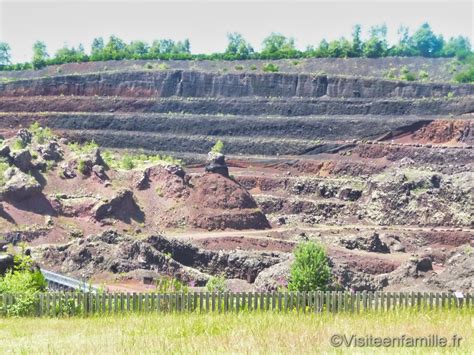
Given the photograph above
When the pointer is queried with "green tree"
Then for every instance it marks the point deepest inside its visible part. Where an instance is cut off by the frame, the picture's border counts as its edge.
(97, 48)
(426, 42)
(39, 54)
(404, 47)
(278, 44)
(238, 46)
(137, 49)
(310, 270)
(356, 42)
(457, 46)
(68, 55)
(340, 48)
(115, 48)
(5, 58)
(377, 45)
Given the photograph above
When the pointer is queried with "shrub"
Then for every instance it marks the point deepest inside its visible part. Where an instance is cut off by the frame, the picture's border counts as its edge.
(406, 74)
(216, 284)
(85, 148)
(423, 75)
(19, 144)
(253, 67)
(466, 76)
(167, 284)
(127, 162)
(25, 282)
(270, 67)
(82, 167)
(218, 147)
(40, 134)
(310, 270)
(391, 74)
(148, 66)
(3, 167)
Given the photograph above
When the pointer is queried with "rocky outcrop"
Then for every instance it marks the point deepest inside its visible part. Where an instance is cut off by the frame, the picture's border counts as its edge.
(6, 263)
(201, 84)
(216, 164)
(18, 185)
(122, 206)
(459, 272)
(370, 243)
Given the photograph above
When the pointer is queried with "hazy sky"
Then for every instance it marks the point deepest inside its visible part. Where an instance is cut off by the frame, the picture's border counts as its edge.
(206, 22)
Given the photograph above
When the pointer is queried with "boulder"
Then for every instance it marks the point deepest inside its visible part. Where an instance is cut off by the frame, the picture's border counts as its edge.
(371, 243)
(349, 194)
(5, 151)
(216, 164)
(6, 263)
(18, 185)
(99, 171)
(25, 136)
(67, 171)
(274, 277)
(50, 151)
(22, 160)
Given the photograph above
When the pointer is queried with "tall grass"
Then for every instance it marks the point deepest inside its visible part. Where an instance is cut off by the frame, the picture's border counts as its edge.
(264, 332)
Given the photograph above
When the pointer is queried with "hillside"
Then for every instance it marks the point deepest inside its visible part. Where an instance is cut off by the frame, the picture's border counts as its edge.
(378, 170)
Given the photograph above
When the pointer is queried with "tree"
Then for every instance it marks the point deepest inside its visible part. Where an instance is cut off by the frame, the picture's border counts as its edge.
(377, 45)
(426, 42)
(5, 57)
(356, 42)
(137, 49)
(404, 47)
(115, 48)
(339, 48)
(276, 43)
(97, 48)
(457, 46)
(39, 55)
(238, 46)
(68, 55)
(310, 270)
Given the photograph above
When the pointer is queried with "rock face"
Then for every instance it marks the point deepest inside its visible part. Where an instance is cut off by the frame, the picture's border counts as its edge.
(201, 84)
(122, 206)
(22, 160)
(459, 272)
(216, 164)
(116, 253)
(274, 278)
(50, 151)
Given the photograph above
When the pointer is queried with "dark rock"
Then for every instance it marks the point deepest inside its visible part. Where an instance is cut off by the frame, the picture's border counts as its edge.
(25, 136)
(371, 243)
(6, 263)
(99, 171)
(67, 171)
(176, 170)
(22, 160)
(349, 194)
(121, 206)
(424, 264)
(50, 151)
(5, 151)
(216, 164)
(143, 181)
(274, 278)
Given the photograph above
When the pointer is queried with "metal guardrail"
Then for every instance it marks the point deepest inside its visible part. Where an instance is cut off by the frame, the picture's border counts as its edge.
(66, 282)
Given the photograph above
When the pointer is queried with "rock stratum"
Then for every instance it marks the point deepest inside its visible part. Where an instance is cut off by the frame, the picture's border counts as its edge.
(379, 171)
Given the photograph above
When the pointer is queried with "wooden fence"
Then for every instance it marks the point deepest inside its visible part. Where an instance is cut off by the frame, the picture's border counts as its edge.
(77, 303)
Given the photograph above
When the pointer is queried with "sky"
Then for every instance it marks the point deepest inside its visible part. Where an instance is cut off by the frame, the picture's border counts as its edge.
(206, 22)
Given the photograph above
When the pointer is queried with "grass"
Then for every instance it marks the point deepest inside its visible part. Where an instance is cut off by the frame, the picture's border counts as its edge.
(230, 333)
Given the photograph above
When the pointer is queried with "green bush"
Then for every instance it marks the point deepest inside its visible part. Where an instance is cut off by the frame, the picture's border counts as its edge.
(270, 67)
(423, 75)
(18, 144)
(239, 67)
(41, 134)
(85, 148)
(218, 147)
(127, 162)
(466, 76)
(82, 167)
(168, 284)
(310, 270)
(216, 284)
(406, 74)
(25, 282)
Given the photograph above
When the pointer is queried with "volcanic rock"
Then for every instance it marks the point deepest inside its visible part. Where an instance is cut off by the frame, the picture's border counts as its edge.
(216, 164)
(18, 185)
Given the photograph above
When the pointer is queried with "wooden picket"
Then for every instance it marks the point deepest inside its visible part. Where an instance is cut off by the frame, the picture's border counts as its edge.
(76, 303)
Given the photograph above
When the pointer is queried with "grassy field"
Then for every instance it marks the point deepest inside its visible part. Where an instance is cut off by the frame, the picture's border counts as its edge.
(230, 333)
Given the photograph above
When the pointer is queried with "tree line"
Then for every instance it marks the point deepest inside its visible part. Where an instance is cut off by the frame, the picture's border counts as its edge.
(423, 42)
